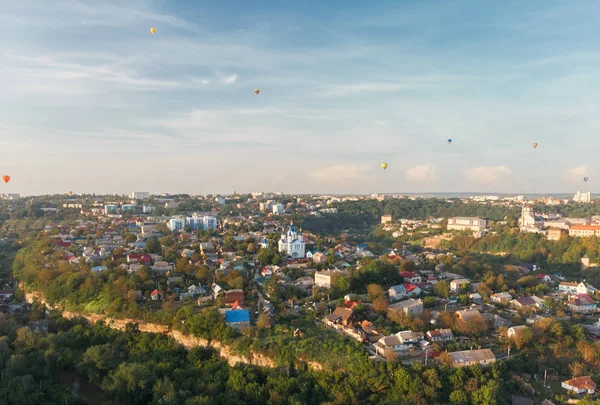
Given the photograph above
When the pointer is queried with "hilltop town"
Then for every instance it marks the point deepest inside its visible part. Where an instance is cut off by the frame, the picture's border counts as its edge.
(457, 290)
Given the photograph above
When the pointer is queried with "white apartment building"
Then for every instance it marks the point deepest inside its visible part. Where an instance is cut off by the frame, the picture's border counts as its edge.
(466, 224)
(323, 278)
(176, 224)
(278, 209)
(139, 195)
(583, 197)
(111, 209)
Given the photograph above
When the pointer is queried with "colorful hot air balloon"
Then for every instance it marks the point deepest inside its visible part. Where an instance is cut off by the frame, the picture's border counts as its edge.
(6, 178)
(384, 165)
(153, 30)
(256, 91)
(449, 140)
(585, 179)
(534, 145)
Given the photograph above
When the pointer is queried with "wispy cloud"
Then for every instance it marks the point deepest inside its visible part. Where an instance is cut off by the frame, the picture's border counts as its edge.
(421, 174)
(576, 174)
(341, 175)
(229, 79)
(487, 175)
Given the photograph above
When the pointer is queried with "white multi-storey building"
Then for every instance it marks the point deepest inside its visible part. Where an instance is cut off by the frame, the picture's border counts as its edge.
(111, 209)
(201, 222)
(466, 224)
(278, 209)
(139, 195)
(176, 224)
(582, 197)
(292, 243)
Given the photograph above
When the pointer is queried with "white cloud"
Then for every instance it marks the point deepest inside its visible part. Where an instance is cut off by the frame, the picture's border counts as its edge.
(341, 175)
(487, 174)
(576, 174)
(421, 174)
(229, 79)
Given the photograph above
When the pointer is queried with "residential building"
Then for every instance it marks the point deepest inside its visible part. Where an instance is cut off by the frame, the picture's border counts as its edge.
(410, 277)
(399, 342)
(156, 295)
(458, 284)
(237, 318)
(576, 288)
(555, 234)
(111, 209)
(232, 296)
(583, 197)
(466, 224)
(292, 243)
(176, 224)
(584, 230)
(501, 298)
(341, 316)
(278, 209)
(203, 222)
(401, 291)
(581, 385)
(128, 208)
(464, 358)
(516, 332)
(147, 209)
(527, 302)
(409, 307)
(324, 278)
(582, 304)
(386, 218)
(440, 335)
(468, 315)
(139, 195)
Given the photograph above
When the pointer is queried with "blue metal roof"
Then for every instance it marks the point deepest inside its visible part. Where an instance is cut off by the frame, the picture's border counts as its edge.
(240, 315)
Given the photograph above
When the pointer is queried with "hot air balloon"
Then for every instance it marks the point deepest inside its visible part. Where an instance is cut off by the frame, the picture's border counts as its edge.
(256, 91)
(585, 179)
(384, 165)
(70, 193)
(6, 178)
(449, 140)
(153, 30)
(534, 145)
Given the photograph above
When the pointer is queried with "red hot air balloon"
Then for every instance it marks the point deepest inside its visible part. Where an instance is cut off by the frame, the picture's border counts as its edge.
(6, 178)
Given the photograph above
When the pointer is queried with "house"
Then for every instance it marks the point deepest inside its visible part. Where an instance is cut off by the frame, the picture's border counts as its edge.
(527, 303)
(5, 294)
(232, 296)
(410, 277)
(237, 318)
(341, 316)
(468, 315)
(324, 278)
(319, 257)
(582, 304)
(440, 335)
(401, 341)
(196, 290)
(458, 284)
(139, 258)
(174, 281)
(409, 307)
(546, 278)
(156, 295)
(398, 292)
(576, 288)
(161, 267)
(517, 332)
(581, 385)
(476, 298)
(495, 320)
(501, 297)
(464, 358)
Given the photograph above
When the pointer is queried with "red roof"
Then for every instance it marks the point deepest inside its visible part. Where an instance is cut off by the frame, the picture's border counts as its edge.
(155, 292)
(234, 296)
(541, 275)
(585, 227)
(409, 287)
(407, 274)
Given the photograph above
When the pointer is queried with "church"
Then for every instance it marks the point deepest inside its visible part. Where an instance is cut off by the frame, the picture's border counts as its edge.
(292, 243)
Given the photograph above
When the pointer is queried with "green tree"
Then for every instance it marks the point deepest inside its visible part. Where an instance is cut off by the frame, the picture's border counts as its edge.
(153, 245)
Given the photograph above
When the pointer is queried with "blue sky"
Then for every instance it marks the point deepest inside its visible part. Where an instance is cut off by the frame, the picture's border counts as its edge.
(90, 101)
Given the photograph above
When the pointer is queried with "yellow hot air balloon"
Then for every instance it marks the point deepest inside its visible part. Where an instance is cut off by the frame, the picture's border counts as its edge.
(70, 193)
(384, 165)
(256, 91)
(153, 30)
(534, 145)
